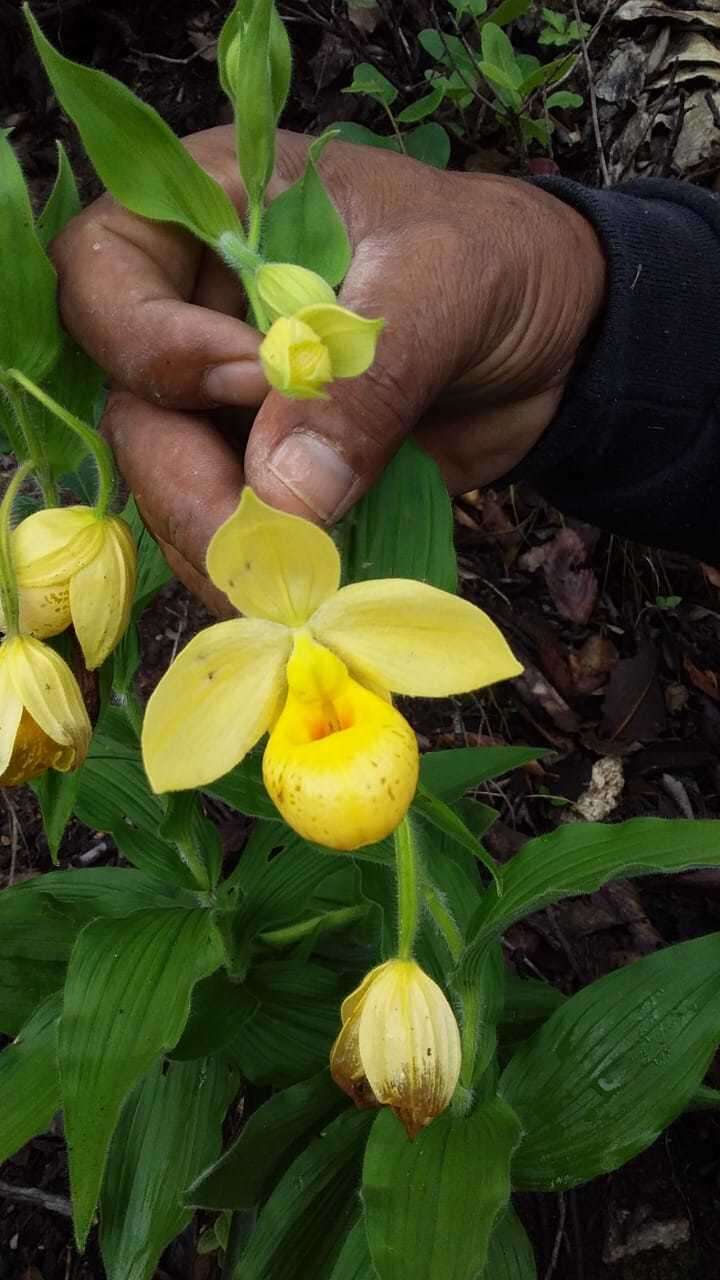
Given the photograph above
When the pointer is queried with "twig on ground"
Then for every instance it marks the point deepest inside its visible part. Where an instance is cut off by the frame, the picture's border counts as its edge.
(593, 98)
(562, 1214)
(33, 1195)
(14, 838)
(176, 62)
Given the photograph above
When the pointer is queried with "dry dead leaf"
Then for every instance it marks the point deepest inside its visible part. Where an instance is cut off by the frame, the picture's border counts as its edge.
(592, 664)
(642, 10)
(571, 584)
(706, 681)
(535, 690)
(711, 575)
(364, 14)
(634, 708)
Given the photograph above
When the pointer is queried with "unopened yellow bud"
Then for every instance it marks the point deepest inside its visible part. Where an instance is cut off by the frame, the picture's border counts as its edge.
(341, 763)
(74, 566)
(43, 720)
(302, 353)
(285, 289)
(399, 1045)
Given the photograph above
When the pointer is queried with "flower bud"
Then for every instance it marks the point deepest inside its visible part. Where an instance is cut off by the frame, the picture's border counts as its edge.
(302, 353)
(399, 1045)
(74, 566)
(44, 723)
(285, 289)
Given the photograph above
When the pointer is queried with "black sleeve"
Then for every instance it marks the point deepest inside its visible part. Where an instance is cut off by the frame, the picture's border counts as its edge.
(635, 445)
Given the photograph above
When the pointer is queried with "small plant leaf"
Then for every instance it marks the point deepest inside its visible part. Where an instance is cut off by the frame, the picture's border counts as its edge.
(423, 107)
(29, 1079)
(370, 82)
(63, 202)
(303, 226)
(430, 144)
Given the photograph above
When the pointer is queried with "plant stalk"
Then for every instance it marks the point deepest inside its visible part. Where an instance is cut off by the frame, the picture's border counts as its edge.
(406, 867)
(9, 595)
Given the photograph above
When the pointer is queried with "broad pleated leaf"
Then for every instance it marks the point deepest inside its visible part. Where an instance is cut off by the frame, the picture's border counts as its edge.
(303, 226)
(29, 326)
(127, 997)
(271, 1138)
(56, 794)
(290, 1035)
(614, 1066)
(135, 153)
(170, 1127)
(579, 858)
(418, 541)
(29, 1079)
(243, 789)
(449, 774)
(300, 1229)
(510, 1254)
(432, 1204)
(354, 1261)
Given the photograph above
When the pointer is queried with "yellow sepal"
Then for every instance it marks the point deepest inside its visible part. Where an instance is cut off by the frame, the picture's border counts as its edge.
(349, 339)
(413, 638)
(272, 565)
(101, 593)
(50, 696)
(49, 546)
(220, 696)
(11, 709)
(285, 288)
(341, 763)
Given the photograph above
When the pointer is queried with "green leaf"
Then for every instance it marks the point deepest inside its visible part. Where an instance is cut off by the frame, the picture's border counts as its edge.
(135, 153)
(303, 226)
(557, 21)
(243, 789)
(418, 541)
(474, 7)
(29, 1081)
(348, 131)
(510, 1255)
(127, 998)
(300, 1228)
(56, 793)
(254, 103)
(580, 858)
(63, 202)
(440, 815)
(354, 1261)
(290, 1035)
(431, 1204)
(497, 50)
(547, 74)
(153, 569)
(370, 82)
(527, 1003)
(449, 774)
(423, 106)
(563, 98)
(430, 144)
(614, 1066)
(243, 1176)
(450, 51)
(219, 1008)
(196, 838)
(170, 1127)
(29, 326)
(508, 11)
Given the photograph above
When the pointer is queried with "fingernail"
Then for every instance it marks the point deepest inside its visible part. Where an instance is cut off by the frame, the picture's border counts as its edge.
(314, 473)
(239, 382)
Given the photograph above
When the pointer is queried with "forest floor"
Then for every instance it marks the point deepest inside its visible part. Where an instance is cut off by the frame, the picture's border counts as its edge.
(621, 643)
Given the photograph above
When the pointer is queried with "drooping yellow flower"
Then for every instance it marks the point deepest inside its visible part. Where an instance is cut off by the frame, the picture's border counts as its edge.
(303, 352)
(74, 566)
(399, 1045)
(314, 664)
(284, 289)
(43, 720)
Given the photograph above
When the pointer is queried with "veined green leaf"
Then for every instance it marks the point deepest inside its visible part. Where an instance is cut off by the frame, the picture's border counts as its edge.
(243, 789)
(63, 202)
(449, 774)
(29, 1080)
(418, 541)
(290, 1035)
(580, 858)
(510, 1255)
(440, 815)
(354, 1261)
(135, 153)
(127, 997)
(349, 131)
(170, 1127)
(300, 1229)
(423, 107)
(55, 793)
(430, 144)
(508, 11)
(614, 1066)
(29, 326)
(243, 1176)
(432, 1204)
(303, 226)
(498, 52)
(371, 83)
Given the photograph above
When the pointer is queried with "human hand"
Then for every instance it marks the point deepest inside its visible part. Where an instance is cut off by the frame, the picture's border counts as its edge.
(487, 285)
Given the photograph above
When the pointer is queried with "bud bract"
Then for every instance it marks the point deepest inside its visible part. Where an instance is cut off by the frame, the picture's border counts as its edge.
(285, 289)
(399, 1045)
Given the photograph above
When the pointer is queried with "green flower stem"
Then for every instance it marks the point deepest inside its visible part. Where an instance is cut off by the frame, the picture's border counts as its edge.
(9, 596)
(444, 920)
(406, 866)
(33, 446)
(93, 442)
(468, 997)
(243, 258)
(296, 932)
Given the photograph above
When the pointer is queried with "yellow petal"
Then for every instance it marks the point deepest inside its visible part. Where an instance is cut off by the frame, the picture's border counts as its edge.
(414, 638)
(217, 699)
(350, 340)
(50, 694)
(409, 1044)
(50, 545)
(295, 360)
(346, 1065)
(44, 611)
(272, 565)
(101, 593)
(341, 763)
(284, 288)
(11, 709)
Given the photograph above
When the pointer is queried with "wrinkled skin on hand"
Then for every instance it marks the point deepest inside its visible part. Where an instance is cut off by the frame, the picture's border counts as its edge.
(487, 285)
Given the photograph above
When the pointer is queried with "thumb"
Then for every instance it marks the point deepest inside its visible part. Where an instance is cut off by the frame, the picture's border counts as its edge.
(316, 458)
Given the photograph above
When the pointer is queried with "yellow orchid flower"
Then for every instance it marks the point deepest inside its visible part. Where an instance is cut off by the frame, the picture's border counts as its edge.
(305, 351)
(75, 566)
(399, 1045)
(43, 720)
(285, 289)
(314, 664)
